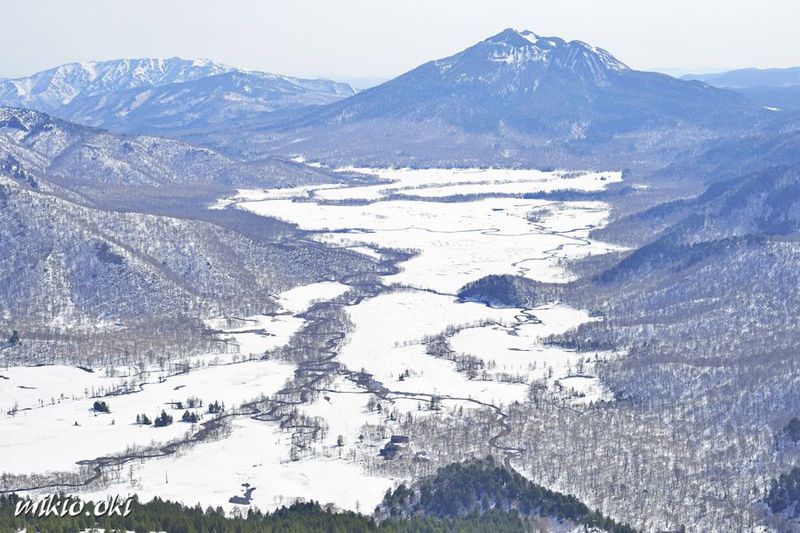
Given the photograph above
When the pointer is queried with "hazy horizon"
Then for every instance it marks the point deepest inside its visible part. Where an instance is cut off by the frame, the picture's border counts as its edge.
(364, 42)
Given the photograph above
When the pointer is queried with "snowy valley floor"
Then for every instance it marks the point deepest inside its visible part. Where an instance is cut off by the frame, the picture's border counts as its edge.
(46, 411)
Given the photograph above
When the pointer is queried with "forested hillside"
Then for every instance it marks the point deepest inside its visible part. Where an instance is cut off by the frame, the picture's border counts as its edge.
(107, 241)
(482, 486)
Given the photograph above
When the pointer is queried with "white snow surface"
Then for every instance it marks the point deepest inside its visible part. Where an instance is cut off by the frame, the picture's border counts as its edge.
(41, 405)
(387, 342)
(455, 242)
(26, 387)
(301, 298)
(47, 439)
(255, 453)
(458, 241)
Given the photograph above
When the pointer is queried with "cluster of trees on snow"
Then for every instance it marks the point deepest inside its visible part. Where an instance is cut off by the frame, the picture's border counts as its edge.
(162, 420)
(216, 407)
(441, 432)
(471, 365)
(784, 494)
(136, 341)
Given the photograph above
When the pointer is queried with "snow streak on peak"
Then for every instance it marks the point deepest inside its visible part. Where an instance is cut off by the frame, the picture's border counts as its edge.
(515, 47)
(530, 36)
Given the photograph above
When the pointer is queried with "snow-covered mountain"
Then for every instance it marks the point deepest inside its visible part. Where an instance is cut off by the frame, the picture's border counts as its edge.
(518, 51)
(52, 89)
(542, 85)
(503, 95)
(153, 95)
(196, 104)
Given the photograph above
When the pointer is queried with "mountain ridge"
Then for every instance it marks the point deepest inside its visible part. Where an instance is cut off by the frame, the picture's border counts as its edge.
(75, 155)
(59, 85)
(750, 77)
(139, 95)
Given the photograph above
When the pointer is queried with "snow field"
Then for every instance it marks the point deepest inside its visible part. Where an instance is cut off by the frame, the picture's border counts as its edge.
(47, 439)
(520, 351)
(26, 387)
(456, 243)
(387, 342)
(255, 453)
(301, 298)
(435, 182)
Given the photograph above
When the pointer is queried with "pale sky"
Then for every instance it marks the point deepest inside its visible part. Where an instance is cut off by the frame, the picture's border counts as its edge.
(362, 39)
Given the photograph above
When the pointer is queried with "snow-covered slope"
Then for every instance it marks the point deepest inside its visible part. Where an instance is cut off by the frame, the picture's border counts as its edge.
(151, 95)
(97, 227)
(71, 154)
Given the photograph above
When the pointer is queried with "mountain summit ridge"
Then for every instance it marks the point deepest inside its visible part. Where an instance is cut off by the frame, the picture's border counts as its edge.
(160, 96)
(549, 49)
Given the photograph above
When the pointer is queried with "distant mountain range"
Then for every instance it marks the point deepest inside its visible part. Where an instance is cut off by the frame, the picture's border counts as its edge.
(515, 96)
(52, 89)
(774, 88)
(750, 77)
(162, 95)
(776, 143)
(774, 98)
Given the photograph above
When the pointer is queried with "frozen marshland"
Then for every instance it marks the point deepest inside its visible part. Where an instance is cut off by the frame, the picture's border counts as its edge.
(458, 226)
